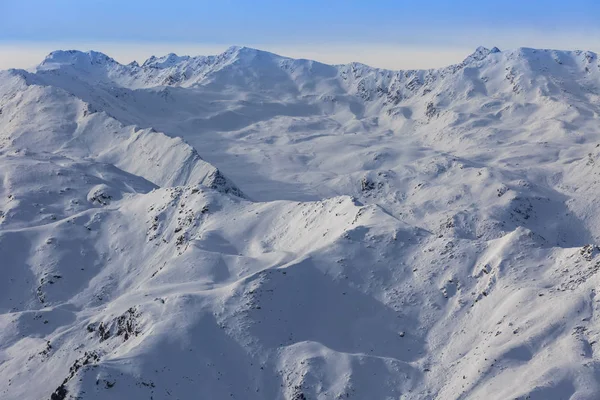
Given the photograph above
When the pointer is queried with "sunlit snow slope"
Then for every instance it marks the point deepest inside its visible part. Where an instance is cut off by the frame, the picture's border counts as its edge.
(249, 226)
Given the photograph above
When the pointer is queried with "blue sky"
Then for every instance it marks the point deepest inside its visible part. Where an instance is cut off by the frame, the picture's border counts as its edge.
(383, 33)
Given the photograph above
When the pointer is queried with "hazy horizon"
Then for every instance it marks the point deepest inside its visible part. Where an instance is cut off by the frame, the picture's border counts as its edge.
(393, 35)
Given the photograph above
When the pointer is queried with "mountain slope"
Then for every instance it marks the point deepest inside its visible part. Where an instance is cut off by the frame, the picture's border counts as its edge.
(252, 226)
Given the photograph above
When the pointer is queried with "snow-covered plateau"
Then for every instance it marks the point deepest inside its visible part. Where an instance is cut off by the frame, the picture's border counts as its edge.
(250, 226)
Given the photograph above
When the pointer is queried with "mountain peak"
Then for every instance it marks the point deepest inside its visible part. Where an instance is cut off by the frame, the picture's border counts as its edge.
(480, 53)
(76, 57)
(167, 61)
(243, 52)
(241, 49)
(233, 49)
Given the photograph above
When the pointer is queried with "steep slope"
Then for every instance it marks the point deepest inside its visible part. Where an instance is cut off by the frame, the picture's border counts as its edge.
(406, 234)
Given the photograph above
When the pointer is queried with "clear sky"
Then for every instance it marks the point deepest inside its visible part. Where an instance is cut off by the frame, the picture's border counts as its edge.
(384, 33)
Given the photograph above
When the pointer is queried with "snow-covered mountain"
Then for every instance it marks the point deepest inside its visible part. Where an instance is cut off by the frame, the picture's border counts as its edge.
(252, 226)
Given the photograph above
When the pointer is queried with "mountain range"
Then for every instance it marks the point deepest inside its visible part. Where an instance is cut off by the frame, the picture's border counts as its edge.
(251, 226)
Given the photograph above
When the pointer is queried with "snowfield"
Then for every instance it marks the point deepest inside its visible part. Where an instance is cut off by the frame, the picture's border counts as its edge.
(250, 226)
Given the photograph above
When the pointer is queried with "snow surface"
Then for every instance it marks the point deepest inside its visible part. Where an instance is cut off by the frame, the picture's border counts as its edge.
(251, 226)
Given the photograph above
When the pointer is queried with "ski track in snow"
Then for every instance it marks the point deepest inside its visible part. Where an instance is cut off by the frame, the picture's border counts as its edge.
(251, 226)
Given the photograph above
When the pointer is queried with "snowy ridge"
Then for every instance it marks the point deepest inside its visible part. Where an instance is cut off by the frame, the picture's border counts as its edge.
(77, 129)
(251, 226)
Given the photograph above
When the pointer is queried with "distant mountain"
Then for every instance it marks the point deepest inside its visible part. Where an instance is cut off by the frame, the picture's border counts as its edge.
(252, 226)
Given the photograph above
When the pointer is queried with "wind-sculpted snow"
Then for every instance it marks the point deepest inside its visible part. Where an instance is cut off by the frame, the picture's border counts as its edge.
(252, 226)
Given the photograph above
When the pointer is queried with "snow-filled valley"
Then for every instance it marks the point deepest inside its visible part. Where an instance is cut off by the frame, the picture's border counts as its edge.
(250, 226)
